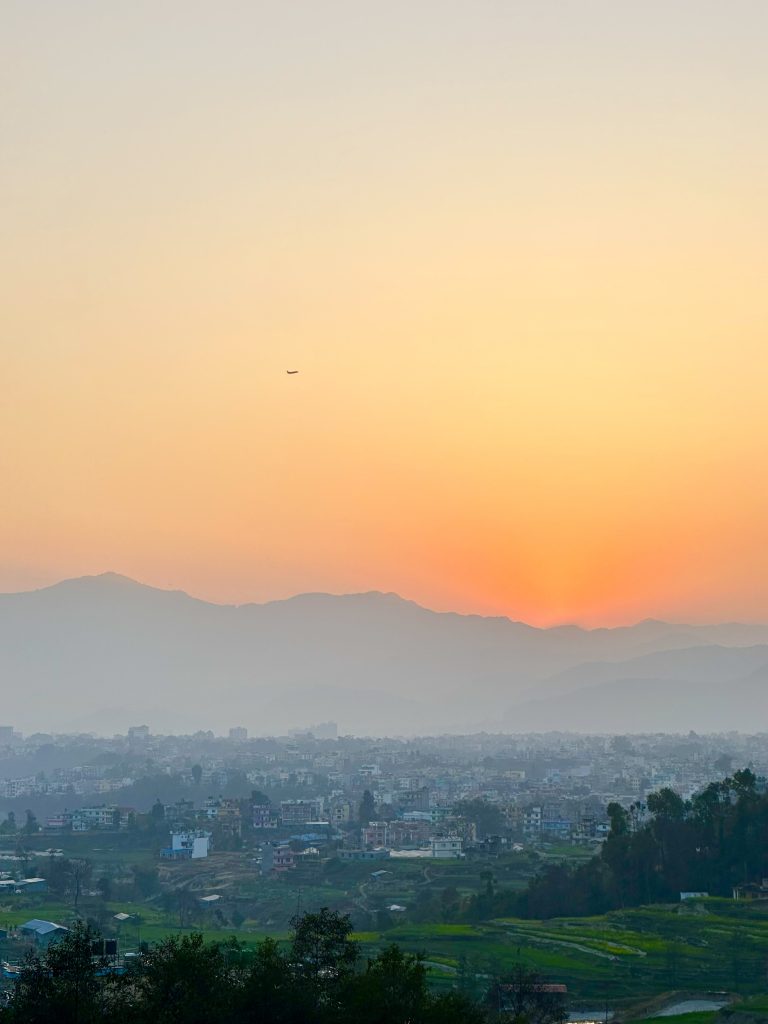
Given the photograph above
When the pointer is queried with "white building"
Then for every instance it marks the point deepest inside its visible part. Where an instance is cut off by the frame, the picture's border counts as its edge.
(191, 844)
(444, 847)
(102, 817)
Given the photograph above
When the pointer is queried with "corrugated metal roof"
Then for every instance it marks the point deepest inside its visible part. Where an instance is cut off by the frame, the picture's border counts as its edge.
(42, 927)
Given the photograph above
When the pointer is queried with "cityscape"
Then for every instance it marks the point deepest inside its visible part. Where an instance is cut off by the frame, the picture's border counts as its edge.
(383, 512)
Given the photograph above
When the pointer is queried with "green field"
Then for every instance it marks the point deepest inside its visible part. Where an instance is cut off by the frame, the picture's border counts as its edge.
(630, 957)
(622, 957)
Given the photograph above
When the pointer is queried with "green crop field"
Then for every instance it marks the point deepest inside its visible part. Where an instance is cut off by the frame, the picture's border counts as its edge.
(624, 958)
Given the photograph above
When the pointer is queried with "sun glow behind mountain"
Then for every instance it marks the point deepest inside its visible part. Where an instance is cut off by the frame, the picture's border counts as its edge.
(515, 250)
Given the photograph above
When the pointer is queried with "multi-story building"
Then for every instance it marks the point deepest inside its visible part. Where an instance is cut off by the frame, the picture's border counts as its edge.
(299, 812)
(262, 816)
(340, 812)
(182, 810)
(444, 847)
(277, 858)
(188, 846)
(376, 833)
(532, 819)
(105, 816)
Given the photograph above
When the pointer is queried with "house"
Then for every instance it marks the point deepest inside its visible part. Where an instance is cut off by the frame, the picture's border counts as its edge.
(748, 891)
(409, 833)
(299, 812)
(182, 810)
(443, 847)
(524, 1000)
(277, 858)
(532, 820)
(59, 822)
(187, 846)
(43, 933)
(102, 817)
(379, 854)
(556, 828)
(341, 812)
(127, 816)
(263, 817)
(226, 813)
(375, 833)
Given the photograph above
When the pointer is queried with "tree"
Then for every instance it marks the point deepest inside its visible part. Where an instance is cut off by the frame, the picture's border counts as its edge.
(58, 875)
(270, 991)
(62, 984)
(80, 871)
(146, 880)
(182, 903)
(618, 818)
(322, 950)
(666, 805)
(393, 988)
(744, 783)
(186, 979)
(31, 826)
(367, 808)
(486, 817)
(450, 900)
(197, 774)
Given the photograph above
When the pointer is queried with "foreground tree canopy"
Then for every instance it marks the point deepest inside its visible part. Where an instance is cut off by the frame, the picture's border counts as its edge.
(320, 978)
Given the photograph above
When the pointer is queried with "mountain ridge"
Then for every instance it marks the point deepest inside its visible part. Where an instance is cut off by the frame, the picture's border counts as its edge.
(375, 662)
(112, 577)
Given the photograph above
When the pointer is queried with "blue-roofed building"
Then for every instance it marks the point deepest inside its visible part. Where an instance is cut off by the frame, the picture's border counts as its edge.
(43, 932)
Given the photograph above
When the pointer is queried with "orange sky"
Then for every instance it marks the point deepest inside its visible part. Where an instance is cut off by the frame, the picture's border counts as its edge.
(517, 252)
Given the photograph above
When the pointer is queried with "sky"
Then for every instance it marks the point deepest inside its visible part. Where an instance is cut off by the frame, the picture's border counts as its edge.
(517, 251)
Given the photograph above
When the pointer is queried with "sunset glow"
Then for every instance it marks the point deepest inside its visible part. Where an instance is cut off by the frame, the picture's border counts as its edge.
(516, 251)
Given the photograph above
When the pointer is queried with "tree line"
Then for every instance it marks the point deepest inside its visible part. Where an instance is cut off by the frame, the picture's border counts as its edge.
(654, 851)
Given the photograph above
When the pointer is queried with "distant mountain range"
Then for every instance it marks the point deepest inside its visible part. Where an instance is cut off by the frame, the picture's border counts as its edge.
(103, 652)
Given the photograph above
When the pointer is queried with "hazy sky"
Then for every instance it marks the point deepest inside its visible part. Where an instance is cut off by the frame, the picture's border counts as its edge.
(516, 249)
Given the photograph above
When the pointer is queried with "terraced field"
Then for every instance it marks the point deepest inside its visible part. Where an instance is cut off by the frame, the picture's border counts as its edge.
(706, 946)
(624, 959)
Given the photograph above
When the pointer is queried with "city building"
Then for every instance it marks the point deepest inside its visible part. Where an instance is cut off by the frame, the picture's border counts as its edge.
(444, 847)
(187, 846)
